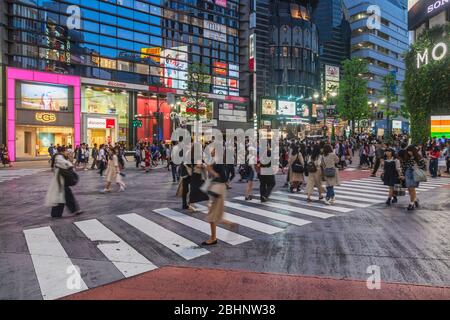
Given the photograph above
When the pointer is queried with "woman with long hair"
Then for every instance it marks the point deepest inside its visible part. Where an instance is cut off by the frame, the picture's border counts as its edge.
(314, 173)
(113, 171)
(411, 161)
(217, 193)
(392, 174)
(296, 170)
(329, 162)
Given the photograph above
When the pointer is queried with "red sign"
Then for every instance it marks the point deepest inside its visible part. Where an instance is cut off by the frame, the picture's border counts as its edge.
(220, 68)
(251, 64)
(110, 123)
(237, 99)
(161, 90)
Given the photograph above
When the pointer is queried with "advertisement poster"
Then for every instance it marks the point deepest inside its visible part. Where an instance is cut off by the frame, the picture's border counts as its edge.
(331, 73)
(440, 126)
(44, 97)
(220, 68)
(269, 107)
(286, 108)
(175, 66)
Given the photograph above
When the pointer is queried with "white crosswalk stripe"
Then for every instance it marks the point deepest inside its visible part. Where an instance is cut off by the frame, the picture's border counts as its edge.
(51, 264)
(202, 226)
(122, 255)
(251, 224)
(316, 214)
(181, 246)
(13, 174)
(267, 214)
(338, 201)
(378, 186)
(307, 204)
(376, 194)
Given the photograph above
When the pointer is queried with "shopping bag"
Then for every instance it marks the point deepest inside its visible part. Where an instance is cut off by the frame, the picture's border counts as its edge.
(419, 175)
(399, 191)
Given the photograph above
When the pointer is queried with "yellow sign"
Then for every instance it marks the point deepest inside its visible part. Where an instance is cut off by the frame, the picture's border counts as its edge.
(151, 53)
(45, 117)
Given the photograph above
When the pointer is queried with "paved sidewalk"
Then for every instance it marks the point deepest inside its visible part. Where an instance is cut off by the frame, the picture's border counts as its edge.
(178, 283)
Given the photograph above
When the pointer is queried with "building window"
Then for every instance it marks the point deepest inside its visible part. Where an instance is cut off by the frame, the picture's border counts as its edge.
(107, 63)
(123, 65)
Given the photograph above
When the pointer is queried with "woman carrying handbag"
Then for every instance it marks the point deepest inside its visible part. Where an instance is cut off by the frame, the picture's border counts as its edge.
(330, 173)
(413, 167)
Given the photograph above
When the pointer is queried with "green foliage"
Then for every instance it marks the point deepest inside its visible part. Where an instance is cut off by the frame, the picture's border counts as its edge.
(427, 89)
(198, 83)
(352, 102)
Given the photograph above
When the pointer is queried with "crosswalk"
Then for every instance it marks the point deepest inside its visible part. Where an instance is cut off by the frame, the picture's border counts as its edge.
(12, 174)
(177, 234)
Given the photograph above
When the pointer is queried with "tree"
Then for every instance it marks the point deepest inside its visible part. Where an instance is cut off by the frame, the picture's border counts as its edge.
(197, 85)
(427, 86)
(388, 96)
(352, 102)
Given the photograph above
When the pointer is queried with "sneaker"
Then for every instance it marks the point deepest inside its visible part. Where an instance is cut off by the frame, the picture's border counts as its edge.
(264, 199)
(327, 202)
(333, 200)
(122, 189)
(416, 204)
(410, 207)
(309, 200)
(105, 191)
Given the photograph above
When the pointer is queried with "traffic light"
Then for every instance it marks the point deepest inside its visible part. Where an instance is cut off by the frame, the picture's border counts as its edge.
(137, 123)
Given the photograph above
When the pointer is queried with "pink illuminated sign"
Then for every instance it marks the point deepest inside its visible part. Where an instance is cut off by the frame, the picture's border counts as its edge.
(14, 75)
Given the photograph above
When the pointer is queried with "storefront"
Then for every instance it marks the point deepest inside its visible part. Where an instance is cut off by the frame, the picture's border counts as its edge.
(154, 112)
(42, 109)
(105, 115)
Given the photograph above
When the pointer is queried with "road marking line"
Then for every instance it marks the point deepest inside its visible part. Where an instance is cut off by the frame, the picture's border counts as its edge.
(310, 204)
(380, 184)
(431, 183)
(349, 203)
(357, 190)
(378, 187)
(202, 226)
(251, 224)
(121, 254)
(178, 244)
(316, 214)
(51, 264)
(268, 214)
(365, 195)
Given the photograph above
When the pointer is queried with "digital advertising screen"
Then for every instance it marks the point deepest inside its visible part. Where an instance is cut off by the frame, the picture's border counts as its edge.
(287, 108)
(44, 97)
(440, 126)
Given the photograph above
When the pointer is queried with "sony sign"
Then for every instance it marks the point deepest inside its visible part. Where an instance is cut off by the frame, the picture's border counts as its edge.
(438, 53)
(437, 4)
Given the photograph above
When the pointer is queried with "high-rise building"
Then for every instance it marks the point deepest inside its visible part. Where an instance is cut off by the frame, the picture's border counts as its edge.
(282, 62)
(381, 44)
(332, 20)
(116, 71)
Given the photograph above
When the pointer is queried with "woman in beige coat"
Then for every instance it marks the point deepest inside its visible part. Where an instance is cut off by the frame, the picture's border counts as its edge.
(314, 174)
(296, 178)
(331, 174)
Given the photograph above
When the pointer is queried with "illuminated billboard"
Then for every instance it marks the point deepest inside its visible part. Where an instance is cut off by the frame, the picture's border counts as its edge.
(440, 126)
(175, 63)
(287, 108)
(43, 97)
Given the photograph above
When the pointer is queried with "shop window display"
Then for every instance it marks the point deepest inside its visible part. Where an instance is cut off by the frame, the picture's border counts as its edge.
(108, 102)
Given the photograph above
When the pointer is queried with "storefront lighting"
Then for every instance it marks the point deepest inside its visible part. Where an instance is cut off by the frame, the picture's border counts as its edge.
(316, 95)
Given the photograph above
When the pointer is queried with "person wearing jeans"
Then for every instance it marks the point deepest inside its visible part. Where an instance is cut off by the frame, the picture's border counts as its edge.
(434, 162)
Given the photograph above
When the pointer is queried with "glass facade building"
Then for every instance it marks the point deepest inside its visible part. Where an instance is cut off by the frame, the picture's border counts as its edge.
(132, 58)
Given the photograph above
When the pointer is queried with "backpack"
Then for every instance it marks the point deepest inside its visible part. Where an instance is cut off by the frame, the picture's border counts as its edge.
(297, 166)
(71, 178)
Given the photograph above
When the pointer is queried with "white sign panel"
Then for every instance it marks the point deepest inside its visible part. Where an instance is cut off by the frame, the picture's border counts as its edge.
(215, 35)
(214, 26)
(287, 108)
(331, 73)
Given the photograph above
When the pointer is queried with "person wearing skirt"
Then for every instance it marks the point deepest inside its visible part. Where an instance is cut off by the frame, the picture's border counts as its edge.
(392, 174)
(217, 193)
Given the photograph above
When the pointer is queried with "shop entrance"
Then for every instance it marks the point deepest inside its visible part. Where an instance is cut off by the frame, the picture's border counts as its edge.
(34, 141)
(100, 136)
